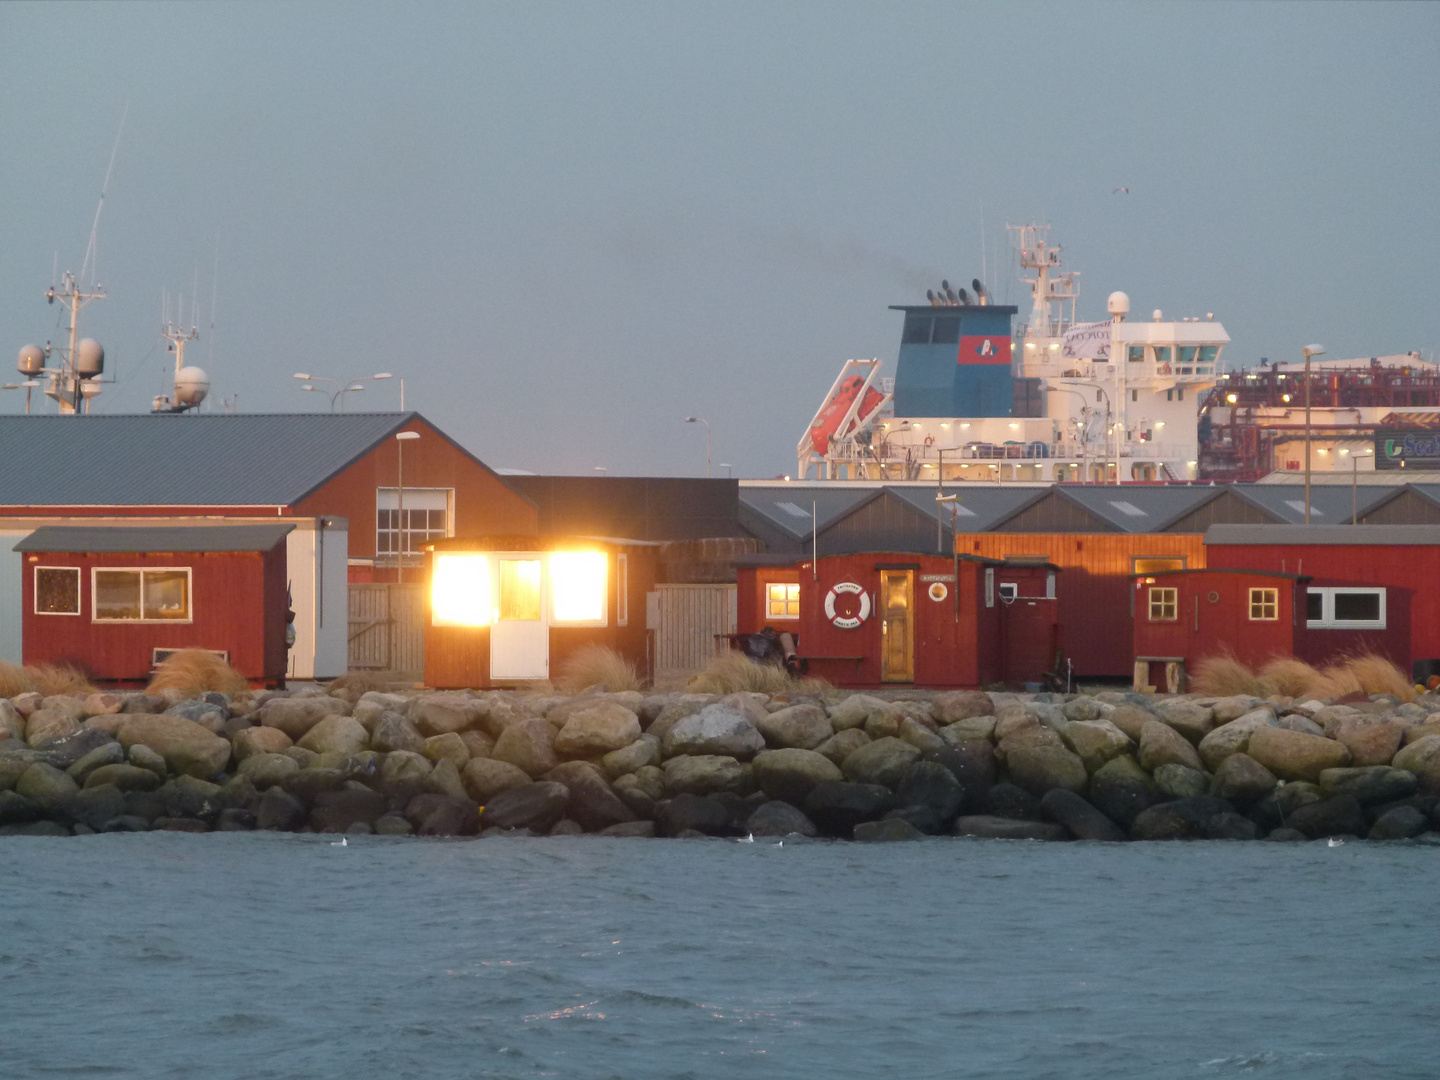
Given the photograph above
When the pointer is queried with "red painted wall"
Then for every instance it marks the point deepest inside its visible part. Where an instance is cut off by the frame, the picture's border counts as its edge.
(237, 604)
(1207, 627)
(1410, 574)
(750, 595)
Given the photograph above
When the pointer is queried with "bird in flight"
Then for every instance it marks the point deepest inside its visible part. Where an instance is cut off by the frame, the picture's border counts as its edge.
(1121, 191)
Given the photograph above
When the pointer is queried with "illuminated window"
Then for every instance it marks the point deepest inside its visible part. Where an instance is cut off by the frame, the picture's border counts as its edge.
(140, 595)
(460, 591)
(57, 590)
(1154, 564)
(1164, 604)
(577, 587)
(1264, 605)
(782, 601)
(519, 591)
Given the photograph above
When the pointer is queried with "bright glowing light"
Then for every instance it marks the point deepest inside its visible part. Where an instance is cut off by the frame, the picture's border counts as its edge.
(1284, 397)
(1231, 398)
(460, 591)
(577, 586)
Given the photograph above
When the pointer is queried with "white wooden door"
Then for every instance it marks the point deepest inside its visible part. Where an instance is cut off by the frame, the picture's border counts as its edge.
(519, 635)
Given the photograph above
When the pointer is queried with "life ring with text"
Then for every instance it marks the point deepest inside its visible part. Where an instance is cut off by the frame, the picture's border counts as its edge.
(847, 605)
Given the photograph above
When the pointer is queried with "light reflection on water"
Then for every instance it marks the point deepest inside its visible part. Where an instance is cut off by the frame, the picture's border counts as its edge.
(262, 955)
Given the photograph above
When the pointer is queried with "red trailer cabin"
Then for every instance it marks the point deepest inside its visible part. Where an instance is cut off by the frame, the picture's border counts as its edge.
(1373, 588)
(115, 600)
(509, 610)
(1183, 616)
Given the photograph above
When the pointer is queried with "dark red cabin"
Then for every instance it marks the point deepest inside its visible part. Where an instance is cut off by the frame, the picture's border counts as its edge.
(113, 601)
(509, 610)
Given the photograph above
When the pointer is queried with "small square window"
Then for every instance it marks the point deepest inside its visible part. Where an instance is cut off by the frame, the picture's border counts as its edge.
(1264, 605)
(1164, 604)
(57, 590)
(782, 600)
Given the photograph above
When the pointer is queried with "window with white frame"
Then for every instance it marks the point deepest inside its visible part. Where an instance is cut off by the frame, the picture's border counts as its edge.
(57, 590)
(1264, 605)
(1345, 608)
(126, 595)
(782, 600)
(426, 516)
(989, 586)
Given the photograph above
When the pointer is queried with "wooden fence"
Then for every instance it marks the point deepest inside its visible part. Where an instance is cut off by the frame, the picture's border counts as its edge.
(690, 617)
(387, 629)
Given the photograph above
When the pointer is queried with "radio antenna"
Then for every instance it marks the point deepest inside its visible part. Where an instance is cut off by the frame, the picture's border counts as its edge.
(90, 253)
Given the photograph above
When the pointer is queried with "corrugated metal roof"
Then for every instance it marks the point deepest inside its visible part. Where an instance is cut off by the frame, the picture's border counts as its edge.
(789, 506)
(1329, 505)
(1323, 534)
(188, 460)
(976, 509)
(1137, 509)
(128, 539)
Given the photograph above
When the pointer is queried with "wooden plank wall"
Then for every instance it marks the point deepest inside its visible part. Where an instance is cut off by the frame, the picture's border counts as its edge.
(690, 617)
(387, 628)
(1093, 586)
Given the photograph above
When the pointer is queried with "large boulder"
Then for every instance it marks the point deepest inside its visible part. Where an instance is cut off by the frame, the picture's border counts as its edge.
(444, 779)
(1039, 769)
(1130, 719)
(800, 727)
(536, 806)
(1339, 815)
(1242, 780)
(856, 711)
(597, 728)
(976, 727)
(1095, 741)
(1161, 744)
(484, 778)
(931, 785)
(1370, 741)
(69, 750)
(1422, 757)
(267, 770)
(340, 810)
(776, 818)
(1370, 784)
(1401, 823)
(403, 774)
(95, 806)
(529, 745)
(124, 777)
(690, 813)
(278, 809)
(297, 715)
(1295, 755)
(436, 714)
(1227, 709)
(1233, 736)
(883, 761)
(791, 774)
(1180, 782)
(919, 735)
(395, 732)
(971, 762)
(46, 724)
(1083, 820)
(836, 807)
(999, 828)
(1082, 708)
(1009, 801)
(1031, 736)
(592, 802)
(1121, 789)
(188, 748)
(890, 828)
(260, 740)
(448, 747)
(842, 744)
(336, 734)
(715, 730)
(1192, 720)
(643, 751)
(439, 814)
(47, 788)
(708, 774)
(1183, 819)
(955, 705)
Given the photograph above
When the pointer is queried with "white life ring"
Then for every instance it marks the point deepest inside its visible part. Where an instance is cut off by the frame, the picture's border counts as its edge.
(861, 611)
(938, 591)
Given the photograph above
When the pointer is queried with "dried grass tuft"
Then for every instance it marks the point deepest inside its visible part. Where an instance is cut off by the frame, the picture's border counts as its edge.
(14, 680)
(193, 672)
(353, 684)
(734, 673)
(1377, 675)
(1222, 675)
(1295, 678)
(46, 679)
(597, 665)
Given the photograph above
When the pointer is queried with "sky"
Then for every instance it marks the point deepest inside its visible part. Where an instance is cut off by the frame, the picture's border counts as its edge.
(570, 226)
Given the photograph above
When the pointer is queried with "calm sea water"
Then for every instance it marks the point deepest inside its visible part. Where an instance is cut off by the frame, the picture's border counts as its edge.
(261, 955)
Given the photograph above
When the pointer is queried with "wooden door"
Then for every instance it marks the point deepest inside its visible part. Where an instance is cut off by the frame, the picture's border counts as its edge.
(897, 625)
(520, 634)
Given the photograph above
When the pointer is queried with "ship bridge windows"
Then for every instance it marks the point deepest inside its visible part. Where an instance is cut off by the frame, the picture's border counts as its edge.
(1162, 354)
(1209, 353)
(931, 330)
(1135, 354)
(947, 331)
(917, 330)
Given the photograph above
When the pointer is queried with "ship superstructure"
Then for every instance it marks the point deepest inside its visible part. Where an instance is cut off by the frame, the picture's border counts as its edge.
(976, 398)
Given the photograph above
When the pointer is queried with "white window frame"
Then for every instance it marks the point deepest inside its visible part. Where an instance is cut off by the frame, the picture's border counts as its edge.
(35, 599)
(390, 558)
(989, 586)
(784, 600)
(1009, 591)
(1327, 620)
(142, 571)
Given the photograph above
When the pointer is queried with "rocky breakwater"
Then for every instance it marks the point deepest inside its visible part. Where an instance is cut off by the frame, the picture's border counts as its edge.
(892, 766)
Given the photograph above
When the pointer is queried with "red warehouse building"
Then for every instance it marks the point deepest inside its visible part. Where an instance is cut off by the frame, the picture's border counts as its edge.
(507, 610)
(113, 601)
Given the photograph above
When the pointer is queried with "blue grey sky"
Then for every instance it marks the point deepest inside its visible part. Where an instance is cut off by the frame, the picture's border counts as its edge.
(569, 226)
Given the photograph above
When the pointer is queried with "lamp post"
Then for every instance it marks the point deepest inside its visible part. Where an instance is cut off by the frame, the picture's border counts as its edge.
(699, 420)
(401, 438)
(27, 386)
(1309, 351)
(1355, 484)
(349, 384)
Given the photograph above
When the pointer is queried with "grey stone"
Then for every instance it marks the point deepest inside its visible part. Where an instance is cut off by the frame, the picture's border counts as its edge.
(108, 752)
(436, 714)
(1301, 723)
(869, 832)
(437, 814)
(1005, 800)
(708, 774)
(597, 728)
(856, 711)
(1180, 782)
(395, 732)
(1339, 815)
(1402, 823)
(687, 813)
(1082, 709)
(16, 809)
(1231, 826)
(308, 783)
(1422, 757)
(392, 824)
(791, 774)
(593, 805)
(1161, 744)
(631, 830)
(776, 818)
(207, 714)
(956, 705)
(1183, 819)
(1120, 789)
(931, 785)
(1192, 721)
(883, 761)
(1295, 755)
(977, 727)
(716, 730)
(643, 751)
(528, 745)
(1095, 741)
(1131, 719)
(1242, 780)
(842, 744)
(403, 774)
(279, 810)
(67, 750)
(537, 806)
(800, 727)
(999, 828)
(972, 763)
(125, 777)
(49, 789)
(297, 715)
(1039, 769)
(485, 778)
(1370, 784)
(267, 770)
(1233, 736)
(837, 806)
(1083, 820)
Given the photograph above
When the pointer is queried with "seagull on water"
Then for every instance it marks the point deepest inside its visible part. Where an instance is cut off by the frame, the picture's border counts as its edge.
(749, 838)
(339, 843)
(1334, 841)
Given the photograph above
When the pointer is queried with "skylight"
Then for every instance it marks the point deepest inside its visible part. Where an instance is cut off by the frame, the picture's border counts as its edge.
(1298, 506)
(791, 508)
(1128, 508)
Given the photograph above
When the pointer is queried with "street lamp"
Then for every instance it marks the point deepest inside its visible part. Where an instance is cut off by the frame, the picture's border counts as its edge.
(1309, 351)
(349, 384)
(401, 438)
(1355, 456)
(698, 420)
(27, 386)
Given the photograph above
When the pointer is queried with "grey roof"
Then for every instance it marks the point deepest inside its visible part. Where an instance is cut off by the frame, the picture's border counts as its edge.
(977, 508)
(788, 507)
(128, 539)
(1138, 508)
(1329, 504)
(186, 460)
(1323, 534)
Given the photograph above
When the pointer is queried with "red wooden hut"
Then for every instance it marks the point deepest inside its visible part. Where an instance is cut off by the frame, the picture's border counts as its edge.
(1183, 616)
(113, 601)
(507, 610)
